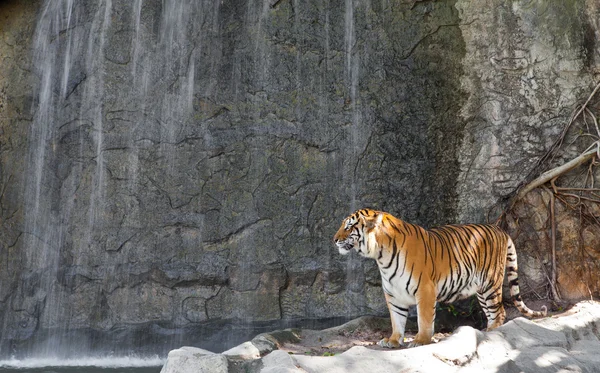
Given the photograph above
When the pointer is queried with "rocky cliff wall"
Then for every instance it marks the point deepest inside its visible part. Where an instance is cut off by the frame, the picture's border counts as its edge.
(188, 162)
(17, 24)
(529, 65)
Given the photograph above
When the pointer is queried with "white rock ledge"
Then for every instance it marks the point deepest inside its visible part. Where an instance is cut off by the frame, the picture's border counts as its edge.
(569, 342)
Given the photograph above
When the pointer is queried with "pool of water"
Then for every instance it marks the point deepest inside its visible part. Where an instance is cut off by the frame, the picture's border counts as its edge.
(81, 370)
(146, 346)
(83, 365)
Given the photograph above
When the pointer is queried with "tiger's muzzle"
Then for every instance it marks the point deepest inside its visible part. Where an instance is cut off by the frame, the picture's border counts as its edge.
(344, 247)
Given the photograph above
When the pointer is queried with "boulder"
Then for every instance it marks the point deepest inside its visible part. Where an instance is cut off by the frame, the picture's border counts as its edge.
(194, 360)
(279, 362)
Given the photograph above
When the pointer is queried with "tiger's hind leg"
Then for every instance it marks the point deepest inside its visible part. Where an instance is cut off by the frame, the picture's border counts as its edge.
(483, 306)
(490, 300)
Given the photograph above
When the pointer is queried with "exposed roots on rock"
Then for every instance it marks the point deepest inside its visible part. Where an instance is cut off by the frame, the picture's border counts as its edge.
(577, 198)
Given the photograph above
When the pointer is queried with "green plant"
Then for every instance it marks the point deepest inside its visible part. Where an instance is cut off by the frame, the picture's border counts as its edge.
(451, 309)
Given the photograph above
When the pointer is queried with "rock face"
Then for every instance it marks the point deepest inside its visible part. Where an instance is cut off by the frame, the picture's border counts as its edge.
(169, 164)
(522, 83)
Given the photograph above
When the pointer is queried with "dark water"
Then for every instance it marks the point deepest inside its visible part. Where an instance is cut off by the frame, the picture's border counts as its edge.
(83, 365)
(148, 357)
(81, 369)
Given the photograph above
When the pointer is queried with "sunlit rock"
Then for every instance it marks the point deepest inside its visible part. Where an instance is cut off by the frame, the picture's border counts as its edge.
(245, 351)
(194, 360)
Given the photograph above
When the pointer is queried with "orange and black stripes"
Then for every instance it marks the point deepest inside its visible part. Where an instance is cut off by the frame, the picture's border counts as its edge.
(421, 267)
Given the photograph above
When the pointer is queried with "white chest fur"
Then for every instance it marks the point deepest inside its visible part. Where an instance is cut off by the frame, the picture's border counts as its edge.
(398, 281)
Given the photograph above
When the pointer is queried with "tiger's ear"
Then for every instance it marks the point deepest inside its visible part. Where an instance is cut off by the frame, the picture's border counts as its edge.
(371, 222)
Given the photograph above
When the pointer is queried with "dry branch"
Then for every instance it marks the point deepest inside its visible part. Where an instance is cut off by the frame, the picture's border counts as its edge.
(557, 144)
(557, 171)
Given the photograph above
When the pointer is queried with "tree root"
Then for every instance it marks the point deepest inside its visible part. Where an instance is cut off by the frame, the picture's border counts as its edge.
(576, 195)
(554, 173)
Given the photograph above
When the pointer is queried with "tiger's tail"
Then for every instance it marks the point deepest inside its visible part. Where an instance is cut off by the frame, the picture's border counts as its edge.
(513, 280)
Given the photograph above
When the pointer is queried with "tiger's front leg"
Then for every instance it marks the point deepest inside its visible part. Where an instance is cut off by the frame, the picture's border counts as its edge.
(398, 315)
(426, 301)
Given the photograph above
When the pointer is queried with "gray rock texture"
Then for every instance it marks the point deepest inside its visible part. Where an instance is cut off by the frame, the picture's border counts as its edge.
(169, 165)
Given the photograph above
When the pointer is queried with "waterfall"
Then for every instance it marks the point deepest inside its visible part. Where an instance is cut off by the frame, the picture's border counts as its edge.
(80, 122)
(352, 76)
(354, 265)
(186, 162)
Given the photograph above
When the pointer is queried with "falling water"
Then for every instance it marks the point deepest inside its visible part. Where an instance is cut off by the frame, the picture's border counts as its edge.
(354, 272)
(49, 205)
(352, 66)
(179, 60)
(44, 234)
(70, 55)
(126, 101)
(94, 88)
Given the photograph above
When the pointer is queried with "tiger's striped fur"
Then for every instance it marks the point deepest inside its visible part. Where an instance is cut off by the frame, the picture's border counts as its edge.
(422, 267)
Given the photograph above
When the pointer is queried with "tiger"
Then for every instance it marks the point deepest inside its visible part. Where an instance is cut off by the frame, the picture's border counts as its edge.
(421, 266)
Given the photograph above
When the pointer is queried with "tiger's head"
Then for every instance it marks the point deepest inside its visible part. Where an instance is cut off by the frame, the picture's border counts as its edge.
(355, 231)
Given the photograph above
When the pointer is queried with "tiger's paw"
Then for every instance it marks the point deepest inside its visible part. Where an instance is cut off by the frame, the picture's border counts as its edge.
(419, 341)
(389, 343)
